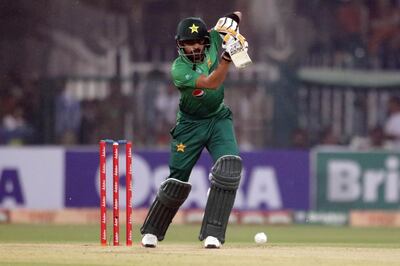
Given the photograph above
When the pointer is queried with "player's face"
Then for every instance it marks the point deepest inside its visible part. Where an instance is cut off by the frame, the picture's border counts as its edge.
(194, 50)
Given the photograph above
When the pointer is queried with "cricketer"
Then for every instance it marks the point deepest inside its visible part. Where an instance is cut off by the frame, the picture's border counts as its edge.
(203, 121)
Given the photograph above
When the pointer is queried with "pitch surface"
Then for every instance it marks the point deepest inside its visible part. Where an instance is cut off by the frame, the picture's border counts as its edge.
(287, 245)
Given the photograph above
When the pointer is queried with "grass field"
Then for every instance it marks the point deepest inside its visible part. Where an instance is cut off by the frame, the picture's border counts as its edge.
(287, 245)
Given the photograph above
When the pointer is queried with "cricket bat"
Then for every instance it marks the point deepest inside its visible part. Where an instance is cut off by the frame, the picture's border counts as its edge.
(239, 55)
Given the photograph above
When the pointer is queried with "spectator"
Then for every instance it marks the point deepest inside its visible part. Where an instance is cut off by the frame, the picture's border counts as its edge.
(376, 137)
(374, 140)
(328, 137)
(154, 84)
(251, 107)
(385, 29)
(68, 117)
(392, 124)
(14, 128)
(110, 113)
(300, 139)
(166, 106)
(89, 122)
(351, 17)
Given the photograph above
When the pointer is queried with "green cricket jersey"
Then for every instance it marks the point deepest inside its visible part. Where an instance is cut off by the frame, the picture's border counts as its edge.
(203, 121)
(198, 102)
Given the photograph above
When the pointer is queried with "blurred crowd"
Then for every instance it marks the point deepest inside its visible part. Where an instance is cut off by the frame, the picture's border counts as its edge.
(364, 34)
(356, 34)
(149, 113)
(18, 103)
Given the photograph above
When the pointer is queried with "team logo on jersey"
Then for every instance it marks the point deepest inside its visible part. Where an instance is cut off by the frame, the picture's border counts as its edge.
(188, 76)
(198, 93)
(180, 147)
(209, 63)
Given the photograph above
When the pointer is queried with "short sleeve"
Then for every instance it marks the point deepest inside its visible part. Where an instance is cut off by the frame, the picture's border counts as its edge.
(183, 76)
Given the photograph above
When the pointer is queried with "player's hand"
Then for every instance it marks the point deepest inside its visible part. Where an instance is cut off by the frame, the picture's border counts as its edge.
(231, 41)
(232, 46)
(236, 47)
(227, 25)
(243, 41)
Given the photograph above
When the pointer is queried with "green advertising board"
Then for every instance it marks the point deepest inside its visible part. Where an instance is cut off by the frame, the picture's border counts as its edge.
(344, 180)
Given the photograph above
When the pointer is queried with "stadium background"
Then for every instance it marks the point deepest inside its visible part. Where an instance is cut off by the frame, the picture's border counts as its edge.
(309, 113)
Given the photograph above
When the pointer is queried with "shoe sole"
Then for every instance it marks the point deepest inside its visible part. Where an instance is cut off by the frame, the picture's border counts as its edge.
(211, 246)
(148, 246)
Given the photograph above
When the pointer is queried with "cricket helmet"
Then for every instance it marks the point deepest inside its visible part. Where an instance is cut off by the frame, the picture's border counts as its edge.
(192, 29)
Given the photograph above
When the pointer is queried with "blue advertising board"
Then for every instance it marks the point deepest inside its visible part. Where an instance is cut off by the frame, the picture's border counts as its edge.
(272, 180)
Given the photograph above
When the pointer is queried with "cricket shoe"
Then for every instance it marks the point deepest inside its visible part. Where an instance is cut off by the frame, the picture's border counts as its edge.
(149, 241)
(212, 242)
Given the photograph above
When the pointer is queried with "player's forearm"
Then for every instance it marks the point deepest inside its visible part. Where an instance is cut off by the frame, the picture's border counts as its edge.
(215, 79)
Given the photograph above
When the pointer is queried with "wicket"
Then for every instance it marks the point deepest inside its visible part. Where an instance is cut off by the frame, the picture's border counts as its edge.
(103, 206)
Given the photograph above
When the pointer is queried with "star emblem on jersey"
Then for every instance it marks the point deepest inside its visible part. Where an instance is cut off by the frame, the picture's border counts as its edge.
(194, 28)
(180, 147)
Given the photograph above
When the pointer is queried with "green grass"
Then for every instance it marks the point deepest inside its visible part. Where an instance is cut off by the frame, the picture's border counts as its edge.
(287, 245)
(277, 235)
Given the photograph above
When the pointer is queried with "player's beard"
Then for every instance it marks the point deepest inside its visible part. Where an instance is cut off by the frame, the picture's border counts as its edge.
(196, 56)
